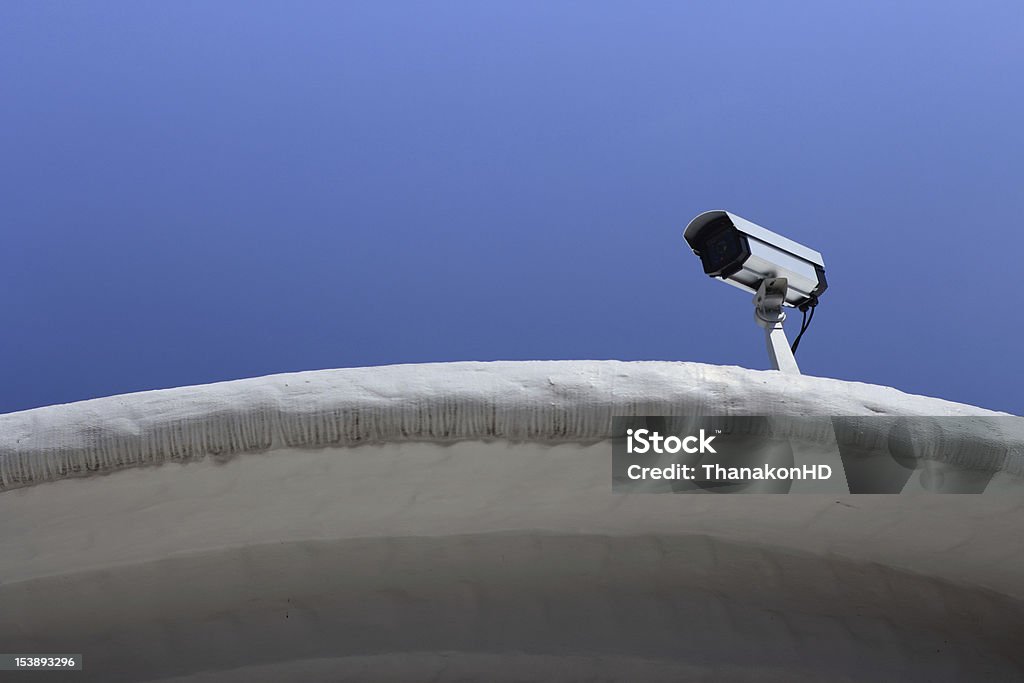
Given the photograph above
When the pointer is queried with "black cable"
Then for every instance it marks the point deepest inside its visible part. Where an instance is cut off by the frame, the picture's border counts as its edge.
(805, 323)
(803, 328)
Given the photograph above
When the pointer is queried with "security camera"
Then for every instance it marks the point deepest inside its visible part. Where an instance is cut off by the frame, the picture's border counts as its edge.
(744, 254)
(777, 271)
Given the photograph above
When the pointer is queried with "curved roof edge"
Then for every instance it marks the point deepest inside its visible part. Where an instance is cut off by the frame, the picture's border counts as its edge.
(543, 401)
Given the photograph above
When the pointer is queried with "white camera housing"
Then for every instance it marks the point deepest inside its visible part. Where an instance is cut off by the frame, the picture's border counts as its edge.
(744, 254)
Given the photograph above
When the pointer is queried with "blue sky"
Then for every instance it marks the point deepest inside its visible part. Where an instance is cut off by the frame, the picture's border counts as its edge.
(193, 191)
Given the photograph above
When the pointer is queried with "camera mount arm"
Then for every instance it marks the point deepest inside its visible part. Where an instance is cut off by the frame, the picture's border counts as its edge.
(769, 315)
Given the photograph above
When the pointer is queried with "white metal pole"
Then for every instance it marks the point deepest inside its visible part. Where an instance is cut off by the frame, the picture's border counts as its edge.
(769, 315)
(779, 353)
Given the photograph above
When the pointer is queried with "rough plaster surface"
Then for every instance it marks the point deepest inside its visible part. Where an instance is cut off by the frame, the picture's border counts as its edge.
(455, 522)
(541, 401)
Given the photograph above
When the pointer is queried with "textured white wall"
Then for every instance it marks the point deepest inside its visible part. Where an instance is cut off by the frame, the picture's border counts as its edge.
(456, 522)
(541, 401)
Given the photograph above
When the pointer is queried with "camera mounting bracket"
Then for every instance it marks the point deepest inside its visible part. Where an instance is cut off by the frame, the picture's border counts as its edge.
(768, 313)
